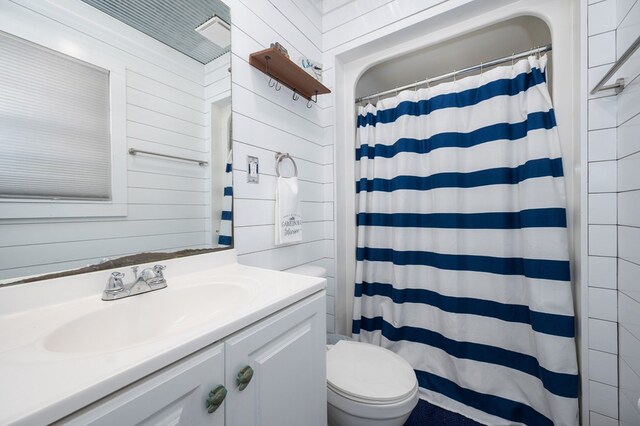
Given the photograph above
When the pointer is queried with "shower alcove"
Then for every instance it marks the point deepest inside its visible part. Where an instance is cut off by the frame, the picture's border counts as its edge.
(495, 41)
(476, 33)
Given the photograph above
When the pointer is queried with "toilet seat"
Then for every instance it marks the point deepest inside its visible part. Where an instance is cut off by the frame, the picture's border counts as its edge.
(369, 374)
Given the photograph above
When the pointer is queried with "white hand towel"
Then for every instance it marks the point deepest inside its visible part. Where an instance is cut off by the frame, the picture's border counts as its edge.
(288, 219)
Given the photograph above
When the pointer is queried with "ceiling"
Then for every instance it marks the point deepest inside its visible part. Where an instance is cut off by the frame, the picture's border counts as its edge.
(170, 22)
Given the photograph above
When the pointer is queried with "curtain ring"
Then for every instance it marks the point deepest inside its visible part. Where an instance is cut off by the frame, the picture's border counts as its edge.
(278, 86)
(415, 87)
(427, 81)
(295, 96)
(454, 75)
(513, 58)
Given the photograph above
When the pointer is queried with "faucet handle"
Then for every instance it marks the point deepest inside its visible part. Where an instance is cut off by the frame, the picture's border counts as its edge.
(158, 270)
(115, 282)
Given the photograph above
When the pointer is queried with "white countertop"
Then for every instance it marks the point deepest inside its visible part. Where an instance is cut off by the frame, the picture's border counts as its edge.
(39, 384)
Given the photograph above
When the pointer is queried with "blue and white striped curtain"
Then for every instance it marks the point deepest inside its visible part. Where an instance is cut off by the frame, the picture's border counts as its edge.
(462, 253)
(225, 238)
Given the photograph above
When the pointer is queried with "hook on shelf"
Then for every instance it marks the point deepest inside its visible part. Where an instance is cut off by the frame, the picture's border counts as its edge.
(272, 82)
(313, 99)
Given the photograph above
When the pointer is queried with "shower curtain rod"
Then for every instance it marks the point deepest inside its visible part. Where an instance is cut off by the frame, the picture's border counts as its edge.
(513, 57)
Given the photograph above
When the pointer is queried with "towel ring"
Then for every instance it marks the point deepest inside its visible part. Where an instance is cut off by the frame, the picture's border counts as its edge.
(281, 156)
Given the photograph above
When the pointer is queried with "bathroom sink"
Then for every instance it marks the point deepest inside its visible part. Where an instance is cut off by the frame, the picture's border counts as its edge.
(136, 320)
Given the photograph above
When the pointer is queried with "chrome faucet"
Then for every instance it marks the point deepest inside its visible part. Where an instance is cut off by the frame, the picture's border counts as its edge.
(150, 279)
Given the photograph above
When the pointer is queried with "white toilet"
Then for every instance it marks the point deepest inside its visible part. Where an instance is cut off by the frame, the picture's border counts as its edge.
(367, 385)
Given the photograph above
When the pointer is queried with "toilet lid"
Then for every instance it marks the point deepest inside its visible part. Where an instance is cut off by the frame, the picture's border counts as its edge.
(366, 372)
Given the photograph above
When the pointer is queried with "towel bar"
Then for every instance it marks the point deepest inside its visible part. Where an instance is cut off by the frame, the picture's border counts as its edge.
(134, 151)
(282, 156)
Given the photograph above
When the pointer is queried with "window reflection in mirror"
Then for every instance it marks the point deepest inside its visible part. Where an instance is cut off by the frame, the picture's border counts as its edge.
(83, 82)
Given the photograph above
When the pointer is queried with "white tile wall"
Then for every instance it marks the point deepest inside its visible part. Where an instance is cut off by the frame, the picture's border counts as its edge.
(603, 240)
(623, 7)
(603, 304)
(603, 399)
(629, 395)
(628, 118)
(603, 367)
(630, 349)
(629, 280)
(596, 419)
(629, 244)
(602, 113)
(602, 17)
(629, 172)
(628, 140)
(602, 144)
(603, 176)
(628, 105)
(628, 29)
(602, 272)
(602, 49)
(603, 336)
(603, 208)
(628, 317)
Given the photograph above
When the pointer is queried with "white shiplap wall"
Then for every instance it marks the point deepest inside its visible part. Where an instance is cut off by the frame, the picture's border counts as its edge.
(266, 121)
(165, 112)
(613, 211)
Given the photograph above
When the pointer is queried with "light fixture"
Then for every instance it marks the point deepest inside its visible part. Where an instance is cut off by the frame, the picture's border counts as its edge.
(216, 30)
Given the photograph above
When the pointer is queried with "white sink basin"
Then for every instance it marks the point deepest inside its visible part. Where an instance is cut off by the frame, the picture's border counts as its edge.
(124, 323)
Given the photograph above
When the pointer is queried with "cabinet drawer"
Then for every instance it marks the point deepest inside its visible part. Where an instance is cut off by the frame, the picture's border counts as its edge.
(176, 395)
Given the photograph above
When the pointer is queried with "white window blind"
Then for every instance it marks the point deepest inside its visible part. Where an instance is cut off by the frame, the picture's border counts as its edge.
(54, 125)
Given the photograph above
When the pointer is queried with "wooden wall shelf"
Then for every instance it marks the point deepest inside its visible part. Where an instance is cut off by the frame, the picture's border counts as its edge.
(279, 67)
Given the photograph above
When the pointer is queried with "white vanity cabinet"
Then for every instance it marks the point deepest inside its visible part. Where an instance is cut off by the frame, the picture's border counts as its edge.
(176, 395)
(286, 354)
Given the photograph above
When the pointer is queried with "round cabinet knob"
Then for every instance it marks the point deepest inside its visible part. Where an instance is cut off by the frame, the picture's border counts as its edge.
(216, 396)
(244, 377)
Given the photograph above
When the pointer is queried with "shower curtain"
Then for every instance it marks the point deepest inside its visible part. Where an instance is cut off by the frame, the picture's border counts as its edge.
(462, 253)
(225, 237)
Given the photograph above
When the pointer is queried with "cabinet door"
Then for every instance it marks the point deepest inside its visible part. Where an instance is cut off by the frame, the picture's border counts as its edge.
(175, 395)
(287, 353)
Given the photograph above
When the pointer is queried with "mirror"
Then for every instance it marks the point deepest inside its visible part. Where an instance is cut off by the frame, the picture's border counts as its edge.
(115, 134)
